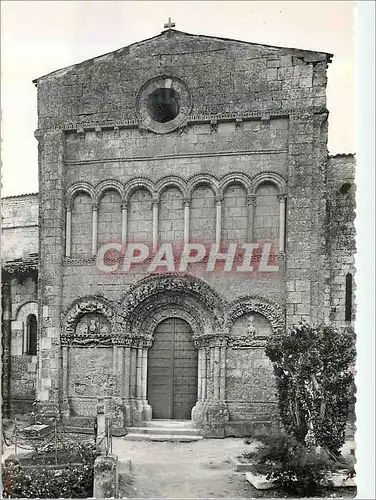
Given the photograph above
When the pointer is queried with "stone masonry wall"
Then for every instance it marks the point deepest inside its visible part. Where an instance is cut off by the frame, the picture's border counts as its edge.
(256, 112)
(341, 235)
(19, 235)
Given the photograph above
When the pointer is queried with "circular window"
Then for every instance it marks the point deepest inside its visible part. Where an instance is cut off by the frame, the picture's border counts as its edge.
(163, 104)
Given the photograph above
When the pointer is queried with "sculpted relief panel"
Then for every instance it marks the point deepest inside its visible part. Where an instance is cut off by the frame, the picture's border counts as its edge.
(249, 330)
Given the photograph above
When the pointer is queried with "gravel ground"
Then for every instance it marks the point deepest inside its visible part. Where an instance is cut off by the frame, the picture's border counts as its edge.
(189, 470)
(184, 470)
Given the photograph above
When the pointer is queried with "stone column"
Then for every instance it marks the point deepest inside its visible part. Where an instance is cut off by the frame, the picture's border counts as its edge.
(139, 379)
(147, 410)
(50, 283)
(65, 408)
(155, 224)
(7, 335)
(200, 370)
(210, 375)
(222, 383)
(114, 360)
(216, 371)
(218, 222)
(204, 374)
(251, 204)
(127, 382)
(135, 408)
(94, 230)
(124, 225)
(186, 220)
(68, 231)
(120, 370)
(282, 218)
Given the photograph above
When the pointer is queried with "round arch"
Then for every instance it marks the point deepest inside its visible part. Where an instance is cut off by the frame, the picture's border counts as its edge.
(138, 183)
(202, 180)
(84, 305)
(171, 181)
(272, 311)
(271, 177)
(79, 187)
(154, 290)
(234, 178)
(107, 185)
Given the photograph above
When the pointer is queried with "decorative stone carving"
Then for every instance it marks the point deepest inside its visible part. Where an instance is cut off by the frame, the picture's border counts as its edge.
(209, 340)
(89, 322)
(268, 308)
(169, 283)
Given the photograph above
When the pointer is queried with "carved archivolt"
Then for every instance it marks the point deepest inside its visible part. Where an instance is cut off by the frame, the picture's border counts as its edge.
(133, 320)
(158, 285)
(253, 304)
(151, 313)
(91, 336)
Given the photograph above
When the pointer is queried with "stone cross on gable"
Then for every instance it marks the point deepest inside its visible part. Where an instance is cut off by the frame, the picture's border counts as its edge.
(170, 24)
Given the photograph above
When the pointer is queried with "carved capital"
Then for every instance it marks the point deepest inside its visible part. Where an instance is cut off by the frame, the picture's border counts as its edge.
(281, 198)
(219, 200)
(251, 200)
(80, 133)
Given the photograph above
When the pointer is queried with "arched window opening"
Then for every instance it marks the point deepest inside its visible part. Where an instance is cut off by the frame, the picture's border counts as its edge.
(348, 298)
(31, 332)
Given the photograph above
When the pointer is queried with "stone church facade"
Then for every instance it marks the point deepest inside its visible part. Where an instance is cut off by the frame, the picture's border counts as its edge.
(173, 141)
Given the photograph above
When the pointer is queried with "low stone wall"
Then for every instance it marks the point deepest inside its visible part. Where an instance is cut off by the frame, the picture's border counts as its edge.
(106, 477)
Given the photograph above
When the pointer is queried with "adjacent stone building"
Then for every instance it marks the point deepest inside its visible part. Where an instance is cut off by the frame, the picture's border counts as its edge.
(182, 139)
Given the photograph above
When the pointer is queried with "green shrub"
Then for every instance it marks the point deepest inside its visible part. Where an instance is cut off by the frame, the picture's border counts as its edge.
(72, 478)
(291, 467)
(313, 366)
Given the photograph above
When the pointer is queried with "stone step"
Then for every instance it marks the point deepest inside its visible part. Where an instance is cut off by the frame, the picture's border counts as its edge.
(169, 423)
(164, 430)
(178, 438)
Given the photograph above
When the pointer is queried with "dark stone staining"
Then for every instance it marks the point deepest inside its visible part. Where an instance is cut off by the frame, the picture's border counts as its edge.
(348, 297)
(344, 189)
(163, 105)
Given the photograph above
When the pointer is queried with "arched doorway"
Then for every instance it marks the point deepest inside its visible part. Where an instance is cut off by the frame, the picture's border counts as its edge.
(172, 370)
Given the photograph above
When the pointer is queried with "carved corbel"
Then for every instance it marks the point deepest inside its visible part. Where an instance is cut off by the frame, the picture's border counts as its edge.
(183, 129)
(214, 125)
(81, 133)
(238, 123)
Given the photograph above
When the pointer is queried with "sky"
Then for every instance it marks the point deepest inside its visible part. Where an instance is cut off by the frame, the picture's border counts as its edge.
(40, 37)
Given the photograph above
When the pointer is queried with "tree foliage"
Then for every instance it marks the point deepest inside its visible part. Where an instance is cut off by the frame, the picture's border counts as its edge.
(313, 367)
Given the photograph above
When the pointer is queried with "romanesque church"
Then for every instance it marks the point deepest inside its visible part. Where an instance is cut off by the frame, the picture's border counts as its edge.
(187, 210)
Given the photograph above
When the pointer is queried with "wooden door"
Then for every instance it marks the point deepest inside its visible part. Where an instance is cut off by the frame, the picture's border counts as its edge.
(172, 370)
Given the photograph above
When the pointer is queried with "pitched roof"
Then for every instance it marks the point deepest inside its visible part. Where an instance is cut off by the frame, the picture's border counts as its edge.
(191, 35)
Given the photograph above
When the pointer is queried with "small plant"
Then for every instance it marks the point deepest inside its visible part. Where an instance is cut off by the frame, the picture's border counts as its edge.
(293, 468)
(71, 478)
